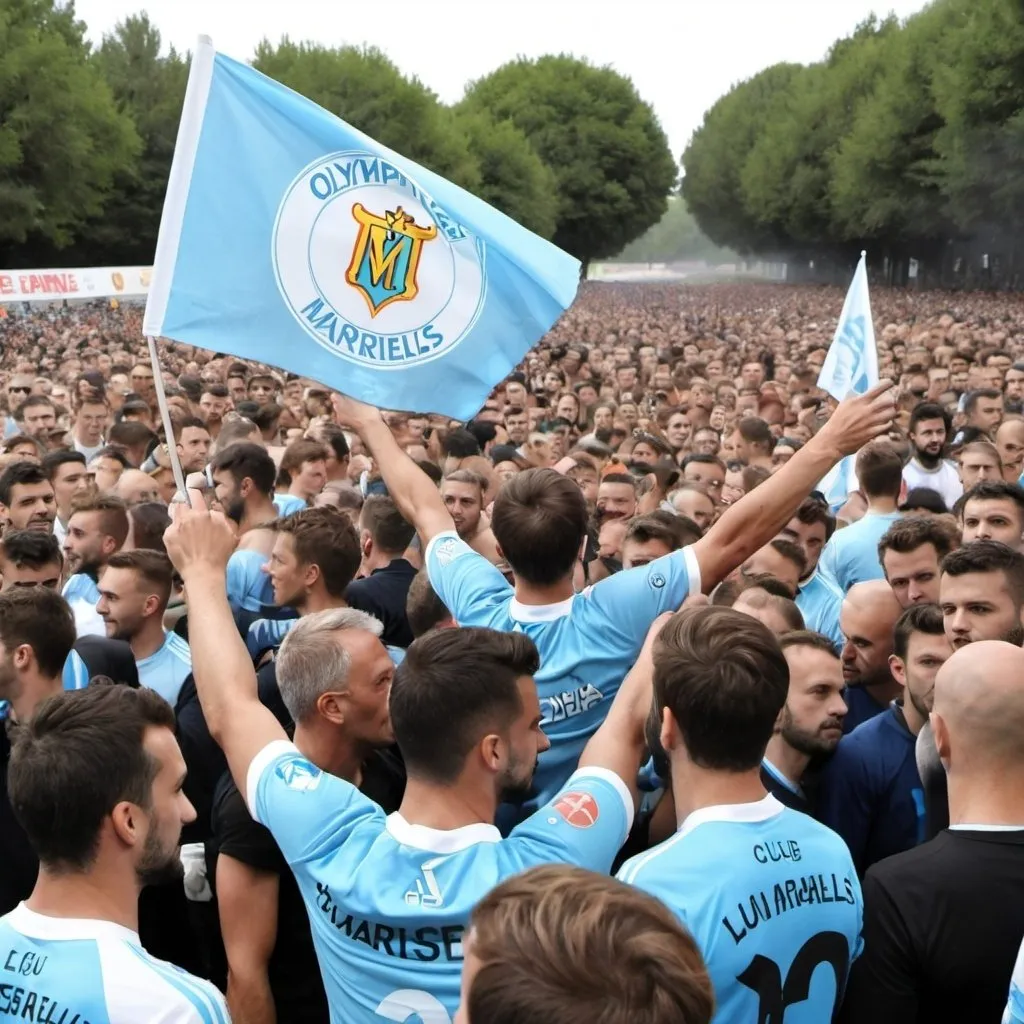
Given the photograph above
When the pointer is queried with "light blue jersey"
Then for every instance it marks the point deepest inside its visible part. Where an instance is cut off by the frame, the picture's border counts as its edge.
(1015, 1004)
(389, 902)
(82, 594)
(772, 900)
(819, 601)
(249, 587)
(62, 970)
(76, 673)
(587, 643)
(268, 634)
(166, 670)
(286, 504)
(851, 555)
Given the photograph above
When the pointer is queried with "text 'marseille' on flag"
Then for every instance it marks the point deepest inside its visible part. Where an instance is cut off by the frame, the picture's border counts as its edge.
(850, 368)
(289, 237)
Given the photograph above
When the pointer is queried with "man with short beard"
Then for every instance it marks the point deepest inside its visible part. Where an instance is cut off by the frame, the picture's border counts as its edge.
(929, 431)
(871, 791)
(95, 777)
(810, 724)
(981, 594)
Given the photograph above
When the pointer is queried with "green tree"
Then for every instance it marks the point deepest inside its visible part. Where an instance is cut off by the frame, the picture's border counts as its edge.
(604, 144)
(979, 95)
(63, 140)
(150, 88)
(367, 91)
(513, 178)
(715, 157)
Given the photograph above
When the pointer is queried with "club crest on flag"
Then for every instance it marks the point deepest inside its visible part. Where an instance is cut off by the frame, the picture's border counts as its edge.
(371, 266)
(386, 256)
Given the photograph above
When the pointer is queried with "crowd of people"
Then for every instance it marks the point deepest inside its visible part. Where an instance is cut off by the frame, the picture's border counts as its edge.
(594, 708)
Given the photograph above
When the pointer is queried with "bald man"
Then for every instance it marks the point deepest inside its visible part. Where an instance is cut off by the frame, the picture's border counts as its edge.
(943, 922)
(135, 487)
(1010, 443)
(867, 617)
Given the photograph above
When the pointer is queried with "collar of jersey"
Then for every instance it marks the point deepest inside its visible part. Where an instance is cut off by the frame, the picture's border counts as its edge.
(42, 926)
(435, 840)
(539, 612)
(760, 810)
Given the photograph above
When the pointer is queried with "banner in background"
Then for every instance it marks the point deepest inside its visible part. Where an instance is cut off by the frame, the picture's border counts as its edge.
(74, 283)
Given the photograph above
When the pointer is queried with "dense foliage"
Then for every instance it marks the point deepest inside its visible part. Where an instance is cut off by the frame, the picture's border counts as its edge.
(905, 139)
(87, 136)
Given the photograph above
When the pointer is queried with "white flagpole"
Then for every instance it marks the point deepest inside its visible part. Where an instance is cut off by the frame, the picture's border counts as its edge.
(165, 417)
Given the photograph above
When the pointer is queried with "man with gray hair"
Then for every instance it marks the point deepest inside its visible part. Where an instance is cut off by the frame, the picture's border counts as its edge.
(334, 677)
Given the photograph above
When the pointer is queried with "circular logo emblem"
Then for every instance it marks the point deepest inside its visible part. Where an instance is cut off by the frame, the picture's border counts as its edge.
(579, 809)
(656, 580)
(372, 267)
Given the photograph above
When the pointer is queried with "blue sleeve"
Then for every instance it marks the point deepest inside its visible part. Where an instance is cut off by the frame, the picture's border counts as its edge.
(846, 801)
(308, 812)
(468, 585)
(585, 824)
(828, 564)
(244, 580)
(634, 598)
(266, 634)
(1015, 1004)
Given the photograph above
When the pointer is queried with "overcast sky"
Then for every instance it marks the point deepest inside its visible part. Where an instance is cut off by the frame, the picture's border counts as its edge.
(681, 54)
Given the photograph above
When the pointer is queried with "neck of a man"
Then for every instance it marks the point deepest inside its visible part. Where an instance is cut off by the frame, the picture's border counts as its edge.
(447, 807)
(541, 594)
(318, 600)
(257, 512)
(914, 719)
(694, 788)
(32, 690)
(87, 442)
(331, 750)
(149, 639)
(98, 895)
(295, 491)
(882, 505)
(986, 795)
(787, 759)
(379, 560)
(883, 691)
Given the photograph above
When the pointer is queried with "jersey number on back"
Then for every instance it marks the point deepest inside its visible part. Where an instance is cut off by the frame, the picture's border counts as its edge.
(410, 1002)
(764, 977)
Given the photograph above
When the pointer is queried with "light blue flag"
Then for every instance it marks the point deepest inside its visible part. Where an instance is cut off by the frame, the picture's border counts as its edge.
(290, 238)
(850, 368)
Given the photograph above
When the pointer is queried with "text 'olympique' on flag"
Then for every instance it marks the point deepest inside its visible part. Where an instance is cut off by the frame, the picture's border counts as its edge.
(290, 238)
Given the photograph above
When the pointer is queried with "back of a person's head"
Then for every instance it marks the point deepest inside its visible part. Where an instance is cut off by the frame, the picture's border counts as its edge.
(756, 431)
(453, 688)
(325, 537)
(150, 520)
(246, 459)
(80, 755)
(724, 678)
(41, 619)
(380, 517)
(540, 520)
(131, 434)
(880, 470)
(460, 444)
(558, 943)
(924, 499)
(423, 608)
(235, 431)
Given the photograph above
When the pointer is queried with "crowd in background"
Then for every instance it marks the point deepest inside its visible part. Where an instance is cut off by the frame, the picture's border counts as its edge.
(655, 409)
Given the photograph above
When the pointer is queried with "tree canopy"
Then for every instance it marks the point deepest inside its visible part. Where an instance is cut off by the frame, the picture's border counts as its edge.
(905, 137)
(611, 160)
(87, 137)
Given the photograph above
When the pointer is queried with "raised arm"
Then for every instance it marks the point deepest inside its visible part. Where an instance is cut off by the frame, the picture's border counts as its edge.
(412, 490)
(619, 744)
(757, 517)
(199, 544)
